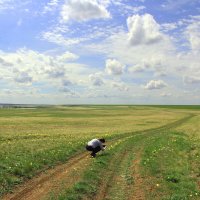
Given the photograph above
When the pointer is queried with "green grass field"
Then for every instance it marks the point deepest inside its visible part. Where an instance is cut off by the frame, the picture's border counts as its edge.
(153, 153)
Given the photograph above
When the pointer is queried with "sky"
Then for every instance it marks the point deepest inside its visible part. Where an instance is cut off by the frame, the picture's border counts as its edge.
(100, 51)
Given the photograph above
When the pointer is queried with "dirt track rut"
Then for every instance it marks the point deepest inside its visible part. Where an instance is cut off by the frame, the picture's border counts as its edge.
(138, 192)
(52, 180)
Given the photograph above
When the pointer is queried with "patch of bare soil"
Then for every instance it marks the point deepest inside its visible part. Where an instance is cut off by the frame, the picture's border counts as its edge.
(138, 187)
(133, 192)
(110, 178)
(51, 181)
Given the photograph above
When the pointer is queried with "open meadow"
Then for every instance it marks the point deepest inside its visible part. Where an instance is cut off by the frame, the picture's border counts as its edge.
(153, 152)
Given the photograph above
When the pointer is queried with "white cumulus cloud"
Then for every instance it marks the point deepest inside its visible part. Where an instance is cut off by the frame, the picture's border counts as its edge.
(26, 67)
(114, 67)
(155, 84)
(83, 10)
(193, 35)
(67, 56)
(143, 30)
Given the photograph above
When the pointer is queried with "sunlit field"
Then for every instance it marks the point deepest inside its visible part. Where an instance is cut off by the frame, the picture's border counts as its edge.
(34, 139)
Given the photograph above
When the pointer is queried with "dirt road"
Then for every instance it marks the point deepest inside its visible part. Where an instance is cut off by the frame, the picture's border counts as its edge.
(64, 176)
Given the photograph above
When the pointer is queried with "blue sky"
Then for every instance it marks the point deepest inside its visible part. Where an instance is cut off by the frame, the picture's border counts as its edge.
(100, 51)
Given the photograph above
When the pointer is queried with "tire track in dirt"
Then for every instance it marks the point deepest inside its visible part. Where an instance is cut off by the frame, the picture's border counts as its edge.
(51, 180)
(105, 186)
(40, 186)
(139, 193)
(134, 192)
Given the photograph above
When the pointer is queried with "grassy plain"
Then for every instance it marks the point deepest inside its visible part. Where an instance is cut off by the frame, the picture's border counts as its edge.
(32, 140)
